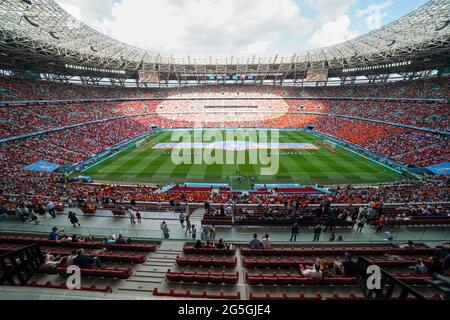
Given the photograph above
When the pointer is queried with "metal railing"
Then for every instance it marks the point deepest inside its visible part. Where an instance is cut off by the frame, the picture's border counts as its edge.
(237, 234)
(390, 287)
(18, 266)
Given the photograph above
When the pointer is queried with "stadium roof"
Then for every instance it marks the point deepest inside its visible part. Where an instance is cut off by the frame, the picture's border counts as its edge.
(40, 33)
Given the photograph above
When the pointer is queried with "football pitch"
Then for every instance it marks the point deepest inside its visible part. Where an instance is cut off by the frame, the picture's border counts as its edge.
(308, 160)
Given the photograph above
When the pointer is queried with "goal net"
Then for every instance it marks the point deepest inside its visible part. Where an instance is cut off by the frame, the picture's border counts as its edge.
(330, 144)
(140, 143)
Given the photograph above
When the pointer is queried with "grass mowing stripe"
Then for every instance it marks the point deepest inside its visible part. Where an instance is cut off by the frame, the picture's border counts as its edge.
(306, 166)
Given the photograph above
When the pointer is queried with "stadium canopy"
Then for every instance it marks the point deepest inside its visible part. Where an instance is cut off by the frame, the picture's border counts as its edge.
(39, 36)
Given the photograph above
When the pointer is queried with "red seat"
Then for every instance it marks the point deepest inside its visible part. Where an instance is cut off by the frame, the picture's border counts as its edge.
(173, 276)
(202, 278)
(216, 262)
(217, 279)
(188, 249)
(253, 280)
(187, 277)
(276, 263)
(231, 279)
(249, 263)
(284, 280)
(231, 263)
(297, 280)
(181, 261)
(288, 263)
(269, 280)
(204, 262)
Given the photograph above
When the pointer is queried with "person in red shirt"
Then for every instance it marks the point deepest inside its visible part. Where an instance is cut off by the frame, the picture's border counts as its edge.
(209, 245)
(138, 216)
(381, 223)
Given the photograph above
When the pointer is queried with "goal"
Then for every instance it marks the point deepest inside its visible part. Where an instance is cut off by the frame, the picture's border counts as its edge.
(330, 144)
(140, 143)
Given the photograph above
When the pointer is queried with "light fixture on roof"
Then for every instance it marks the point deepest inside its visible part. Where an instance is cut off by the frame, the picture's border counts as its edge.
(444, 25)
(53, 35)
(34, 24)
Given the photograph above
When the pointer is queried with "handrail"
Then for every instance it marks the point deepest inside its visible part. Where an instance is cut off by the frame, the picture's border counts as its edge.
(388, 283)
(442, 283)
(28, 102)
(20, 264)
(177, 233)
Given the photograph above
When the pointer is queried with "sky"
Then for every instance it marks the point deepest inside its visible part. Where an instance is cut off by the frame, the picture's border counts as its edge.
(228, 27)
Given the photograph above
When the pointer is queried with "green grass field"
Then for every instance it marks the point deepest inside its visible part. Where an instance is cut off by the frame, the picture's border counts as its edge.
(144, 164)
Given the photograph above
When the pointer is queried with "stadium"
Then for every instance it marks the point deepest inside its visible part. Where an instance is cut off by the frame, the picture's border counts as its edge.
(132, 174)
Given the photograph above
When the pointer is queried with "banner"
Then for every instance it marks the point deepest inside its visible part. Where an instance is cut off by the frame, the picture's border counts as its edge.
(42, 166)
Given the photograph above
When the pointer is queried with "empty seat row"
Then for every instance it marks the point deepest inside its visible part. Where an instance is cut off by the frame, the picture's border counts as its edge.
(225, 252)
(412, 277)
(288, 279)
(281, 221)
(297, 280)
(285, 296)
(104, 272)
(206, 262)
(301, 251)
(218, 278)
(442, 221)
(63, 285)
(216, 217)
(146, 247)
(301, 296)
(216, 222)
(430, 217)
(318, 296)
(203, 295)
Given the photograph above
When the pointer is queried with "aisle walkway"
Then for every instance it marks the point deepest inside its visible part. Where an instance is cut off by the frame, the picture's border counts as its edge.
(104, 224)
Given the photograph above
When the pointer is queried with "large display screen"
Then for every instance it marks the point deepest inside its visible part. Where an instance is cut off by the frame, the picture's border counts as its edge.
(148, 76)
(315, 74)
(234, 76)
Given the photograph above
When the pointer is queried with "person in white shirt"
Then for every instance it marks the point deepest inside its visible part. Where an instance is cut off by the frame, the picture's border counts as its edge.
(311, 272)
(182, 217)
(51, 209)
(65, 238)
(70, 258)
(52, 261)
(266, 242)
(132, 217)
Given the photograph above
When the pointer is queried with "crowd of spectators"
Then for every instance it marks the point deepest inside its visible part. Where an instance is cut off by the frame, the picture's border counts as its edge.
(18, 89)
(71, 146)
(19, 120)
(21, 89)
(423, 88)
(406, 146)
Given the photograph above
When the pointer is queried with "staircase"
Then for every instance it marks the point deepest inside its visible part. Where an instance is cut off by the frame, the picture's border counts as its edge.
(151, 274)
